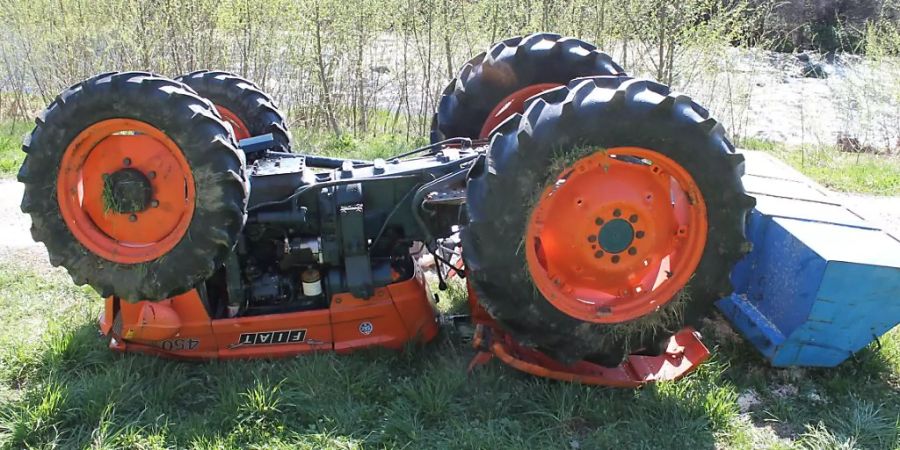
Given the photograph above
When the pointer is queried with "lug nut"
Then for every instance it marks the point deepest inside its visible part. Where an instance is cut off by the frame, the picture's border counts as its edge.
(617, 212)
(632, 251)
(126, 162)
(132, 218)
(599, 221)
(592, 238)
(599, 254)
(151, 174)
(633, 218)
(639, 234)
(154, 203)
(615, 259)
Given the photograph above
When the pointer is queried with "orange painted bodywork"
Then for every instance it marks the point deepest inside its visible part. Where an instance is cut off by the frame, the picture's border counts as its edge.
(684, 353)
(397, 314)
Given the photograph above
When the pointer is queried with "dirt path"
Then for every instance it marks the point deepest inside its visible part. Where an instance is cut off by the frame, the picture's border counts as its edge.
(15, 235)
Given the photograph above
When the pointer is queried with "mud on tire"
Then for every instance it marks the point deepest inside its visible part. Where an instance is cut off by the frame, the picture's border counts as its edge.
(600, 113)
(206, 143)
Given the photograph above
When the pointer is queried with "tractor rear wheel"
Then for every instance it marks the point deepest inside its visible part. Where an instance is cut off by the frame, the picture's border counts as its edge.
(493, 85)
(628, 212)
(249, 110)
(135, 184)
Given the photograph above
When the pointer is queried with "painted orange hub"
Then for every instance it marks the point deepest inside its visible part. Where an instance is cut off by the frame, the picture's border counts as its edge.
(513, 103)
(616, 235)
(240, 128)
(117, 146)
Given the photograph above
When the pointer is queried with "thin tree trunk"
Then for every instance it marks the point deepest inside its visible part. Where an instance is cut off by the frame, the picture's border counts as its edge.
(323, 78)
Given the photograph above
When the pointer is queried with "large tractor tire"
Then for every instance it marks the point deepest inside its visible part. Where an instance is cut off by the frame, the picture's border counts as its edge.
(604, 219)
(249, 110)
(494, 84)
(135, 185)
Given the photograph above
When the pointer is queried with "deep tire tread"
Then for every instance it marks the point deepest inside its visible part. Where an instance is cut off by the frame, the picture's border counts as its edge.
(506, 67)
(254, 107)
(604, 112)
(207, 144)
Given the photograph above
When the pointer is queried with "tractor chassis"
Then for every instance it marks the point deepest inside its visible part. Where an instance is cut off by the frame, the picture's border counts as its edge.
(364, 310)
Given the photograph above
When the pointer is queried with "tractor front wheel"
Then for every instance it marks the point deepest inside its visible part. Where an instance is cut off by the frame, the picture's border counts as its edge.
(494, 85)
(605, 218)
(249, 110)
(135, 185)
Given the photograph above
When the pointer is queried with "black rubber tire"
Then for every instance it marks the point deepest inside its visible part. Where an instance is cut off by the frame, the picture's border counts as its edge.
(508, 66)
(601, 112)
(245, 99)
(207, 144)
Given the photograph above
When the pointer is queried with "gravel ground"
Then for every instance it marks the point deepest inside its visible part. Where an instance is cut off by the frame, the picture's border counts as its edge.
(15, 238)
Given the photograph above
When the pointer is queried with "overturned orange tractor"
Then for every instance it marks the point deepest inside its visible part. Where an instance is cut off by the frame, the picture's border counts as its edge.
(595, 217)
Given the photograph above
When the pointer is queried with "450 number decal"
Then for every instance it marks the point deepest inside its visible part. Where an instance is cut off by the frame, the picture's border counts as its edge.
(170, 345)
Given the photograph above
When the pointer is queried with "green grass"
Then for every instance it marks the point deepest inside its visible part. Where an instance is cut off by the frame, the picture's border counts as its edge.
(346, 146)
(841, 171)
(61, 387)
(11, 155)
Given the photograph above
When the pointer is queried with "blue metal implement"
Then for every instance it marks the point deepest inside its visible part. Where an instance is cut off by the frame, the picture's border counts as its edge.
(821, 282)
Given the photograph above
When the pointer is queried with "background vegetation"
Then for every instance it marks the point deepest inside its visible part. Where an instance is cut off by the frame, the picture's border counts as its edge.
(361, 78)
(361, 66)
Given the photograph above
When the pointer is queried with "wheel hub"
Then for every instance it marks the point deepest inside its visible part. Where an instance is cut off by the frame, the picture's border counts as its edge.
(616, 236)
(644, 221)
(127, 191)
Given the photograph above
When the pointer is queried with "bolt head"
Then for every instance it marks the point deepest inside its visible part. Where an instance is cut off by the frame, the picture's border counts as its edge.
(132, 218)
(126, 162)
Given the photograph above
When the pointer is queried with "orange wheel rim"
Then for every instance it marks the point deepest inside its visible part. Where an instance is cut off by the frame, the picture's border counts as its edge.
(240, 129)
(110, 148)
(616, 235)
(513, 103)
